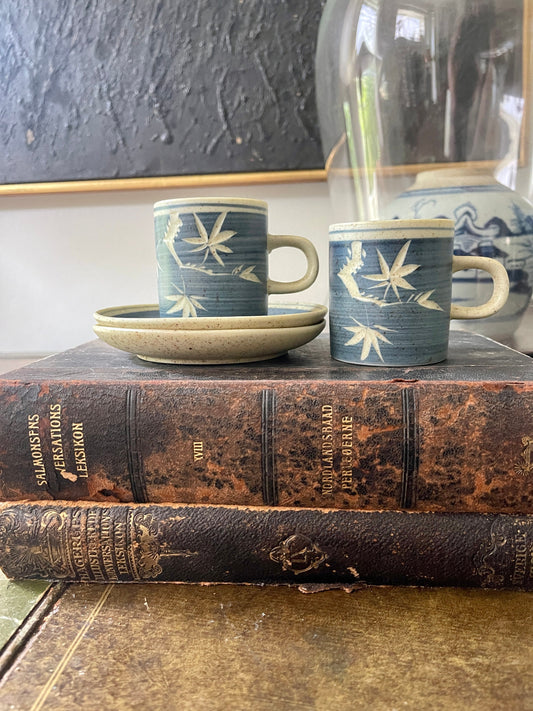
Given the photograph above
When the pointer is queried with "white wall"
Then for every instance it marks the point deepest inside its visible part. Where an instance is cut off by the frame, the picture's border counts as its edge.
(66, 255)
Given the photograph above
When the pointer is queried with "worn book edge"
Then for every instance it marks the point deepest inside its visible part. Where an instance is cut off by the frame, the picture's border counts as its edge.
(19, 640)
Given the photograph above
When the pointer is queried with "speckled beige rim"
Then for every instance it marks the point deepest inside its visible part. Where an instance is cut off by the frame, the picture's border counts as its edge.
(305, 315)
(210, 204)
(392, 229)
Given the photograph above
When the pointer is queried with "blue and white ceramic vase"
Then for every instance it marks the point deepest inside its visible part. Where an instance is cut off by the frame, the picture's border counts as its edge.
(490, 221)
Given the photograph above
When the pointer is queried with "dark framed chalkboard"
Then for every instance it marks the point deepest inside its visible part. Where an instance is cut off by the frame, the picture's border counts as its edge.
(100, 94)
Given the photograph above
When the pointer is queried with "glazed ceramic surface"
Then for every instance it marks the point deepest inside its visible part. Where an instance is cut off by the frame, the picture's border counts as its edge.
(148, 316)
(208, 347)
(491, 221)
(390, 291)
(212, 257)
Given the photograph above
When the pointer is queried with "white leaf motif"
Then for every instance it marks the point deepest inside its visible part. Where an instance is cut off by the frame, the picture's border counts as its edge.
(369, 336)
(394, 276)
(248, 274)
(423, 300)
(214, 242)
(186, 304)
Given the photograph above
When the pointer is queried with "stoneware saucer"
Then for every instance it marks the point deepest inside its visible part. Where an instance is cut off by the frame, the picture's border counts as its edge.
(146, 316)
(209, 347)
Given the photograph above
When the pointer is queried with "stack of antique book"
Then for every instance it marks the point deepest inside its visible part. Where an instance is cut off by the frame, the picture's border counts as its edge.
(299, 470)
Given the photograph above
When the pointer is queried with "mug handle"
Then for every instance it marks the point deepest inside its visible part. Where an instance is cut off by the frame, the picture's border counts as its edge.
(307, 247)
(500, 290)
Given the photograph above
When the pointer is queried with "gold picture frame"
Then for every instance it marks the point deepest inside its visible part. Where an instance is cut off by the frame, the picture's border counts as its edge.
(162, 182)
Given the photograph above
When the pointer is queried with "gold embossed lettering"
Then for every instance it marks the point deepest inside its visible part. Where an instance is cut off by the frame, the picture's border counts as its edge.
(107, 549)
(36, 452)
(198, 450)
(347, 453)
(120, 543)
(327, 451)
(78, 521)
(56, 437)
(521, 556)
(80, 456)
(94, 544)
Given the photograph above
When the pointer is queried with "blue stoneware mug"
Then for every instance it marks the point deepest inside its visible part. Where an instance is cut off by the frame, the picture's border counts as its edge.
(212, 257)
(390, 291)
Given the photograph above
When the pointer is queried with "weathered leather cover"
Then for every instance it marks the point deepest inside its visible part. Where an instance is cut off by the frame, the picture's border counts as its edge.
(94, 423)
(200, 543)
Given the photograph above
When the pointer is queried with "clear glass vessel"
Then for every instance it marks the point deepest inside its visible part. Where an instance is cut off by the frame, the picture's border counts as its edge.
(409, 88)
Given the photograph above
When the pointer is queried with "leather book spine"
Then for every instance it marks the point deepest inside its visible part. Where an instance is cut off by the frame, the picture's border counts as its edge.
(221, 544)
(396, 444)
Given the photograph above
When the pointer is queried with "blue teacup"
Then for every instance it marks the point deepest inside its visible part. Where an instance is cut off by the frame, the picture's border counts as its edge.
(390, 291)
(212, 257)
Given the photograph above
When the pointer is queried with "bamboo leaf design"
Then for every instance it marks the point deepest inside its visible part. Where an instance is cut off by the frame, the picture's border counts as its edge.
(174, 224)
(394, 276)
(249, 275)
(423, 300)
(370, 337)
(201, 228)
(347, 274)
(214, 242)
(187, 305)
